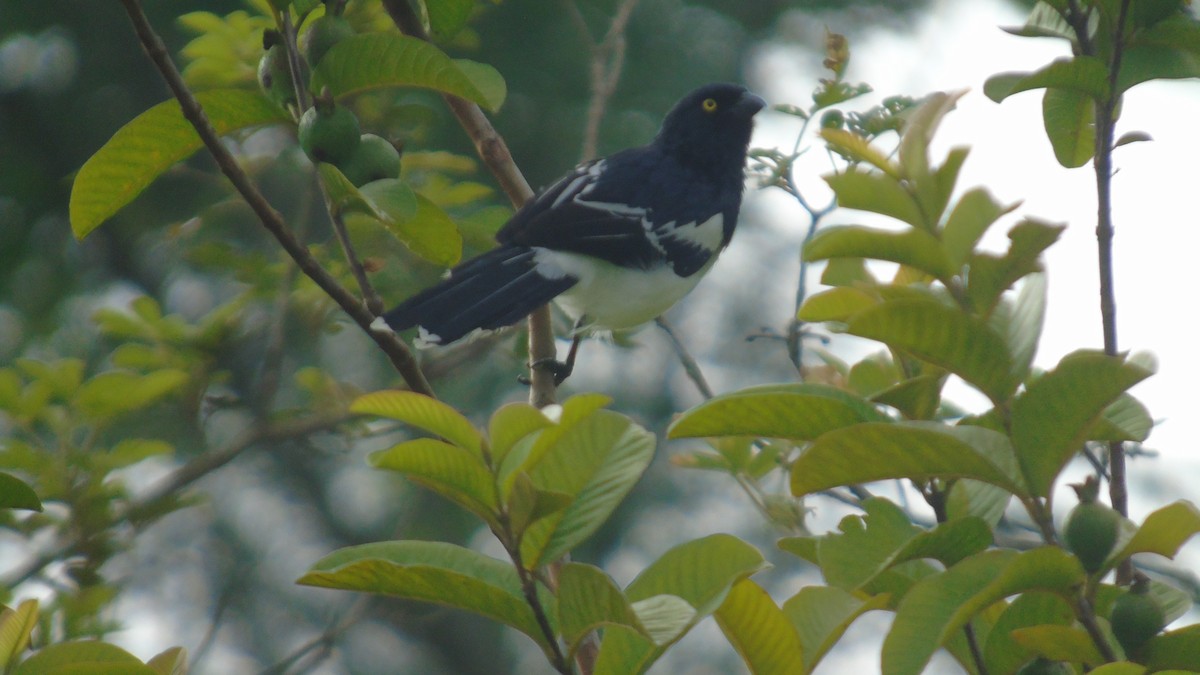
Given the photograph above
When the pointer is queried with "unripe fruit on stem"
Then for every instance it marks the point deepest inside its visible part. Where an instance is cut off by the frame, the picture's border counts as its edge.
(374, 159)
(1040, 666)
(275, 76)
(328, 132)
(1091, 530)
(324, 33)
(1136, 617)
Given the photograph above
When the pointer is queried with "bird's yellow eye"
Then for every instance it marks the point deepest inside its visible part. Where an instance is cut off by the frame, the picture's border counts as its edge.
(709, 105)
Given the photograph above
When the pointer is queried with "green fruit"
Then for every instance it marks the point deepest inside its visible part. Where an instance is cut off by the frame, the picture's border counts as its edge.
(323, 34)
(833, 119)
(373, 159)
(275, 77)
(1040, 666)
(329, 133)
(1136, 617)
(1091, 533)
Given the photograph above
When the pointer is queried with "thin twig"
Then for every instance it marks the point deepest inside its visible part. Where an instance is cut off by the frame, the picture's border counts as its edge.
(400, 356)
(690, 366)
(325, 640)
(607, 60)
(370, 295)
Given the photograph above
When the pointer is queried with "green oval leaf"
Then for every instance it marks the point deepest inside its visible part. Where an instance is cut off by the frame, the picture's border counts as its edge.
(937, 607)
(760, 631)
(912, 247)
(880, 451)
(874, 192)
(589, 599)
(377, 60)
(422, 412)
(150, 144)
(451, 471)
(1070, 121)
(1084, 74)
(944, 336)
(795, 412)
(16, 494)
(821, 615)
(431, 571)
(1052, 417)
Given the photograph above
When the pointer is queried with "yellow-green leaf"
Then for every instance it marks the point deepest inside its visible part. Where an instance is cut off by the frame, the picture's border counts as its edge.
(152, 143)
(422, 412)
(760, 631)
(795, 412)
(15, 628)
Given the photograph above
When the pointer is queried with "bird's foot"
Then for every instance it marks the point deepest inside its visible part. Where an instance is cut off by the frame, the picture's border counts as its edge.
(560, 369)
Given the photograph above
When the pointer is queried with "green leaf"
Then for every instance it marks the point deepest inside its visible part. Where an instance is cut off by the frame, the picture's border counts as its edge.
(1022, 324)
(859, 149)
(528, 504)
(510, 424)
(970, 218)
(109, 394)
(1070, 120)
(1164, 531)
(1146, 62)
(699, 574)
(1001, 652)
(152, 143)
(1085, 75)
(885, 536)
(346, 199)
(795, 412)
(876, 193)
(990, 275)
(85, 656)
(173, 661)
(421, 412)
(1127, 668)
(1058, 643)
(447, 17)
(973, 498)
(16, 494)
(821, 615)
(759, 631)
(596, 463)
(431, 571)
(913, 153)
(917, 450)
(945, 336)
(1051, 418)
(449, 470)
(130, 451)
(917, 398)
(937, 607)
(15, 627)
(912, 247)
(1175, 649)
(589, 599)
(376, 60)
(431, 233)
(1125, 420)
(836, 304)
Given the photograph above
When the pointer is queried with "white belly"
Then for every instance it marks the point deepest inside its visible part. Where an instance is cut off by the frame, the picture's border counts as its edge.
(613, 297)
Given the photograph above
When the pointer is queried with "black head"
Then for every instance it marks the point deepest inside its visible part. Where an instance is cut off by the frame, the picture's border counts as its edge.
(709, 128)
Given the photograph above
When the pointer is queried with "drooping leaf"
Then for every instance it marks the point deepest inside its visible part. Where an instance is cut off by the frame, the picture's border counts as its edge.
(821, 615)
(959, 342)
(759, 631)
(913, 247)
(1070, 120)
(878, 451)
(1050, 420)
(435, 572)
(16, 494)
(795, 412)
(84, 656)
(422, 412)
(939, 606)
(1083, 74)
(877, 193)
(377, 60)
(150, 144)
(454, 472)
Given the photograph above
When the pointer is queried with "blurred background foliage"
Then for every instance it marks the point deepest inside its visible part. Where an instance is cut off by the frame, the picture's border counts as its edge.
(217, 577)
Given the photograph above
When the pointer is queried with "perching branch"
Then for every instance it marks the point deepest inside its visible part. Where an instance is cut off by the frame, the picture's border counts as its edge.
(400, 356)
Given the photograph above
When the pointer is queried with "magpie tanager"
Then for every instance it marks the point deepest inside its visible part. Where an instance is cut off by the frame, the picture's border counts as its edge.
(617, 241)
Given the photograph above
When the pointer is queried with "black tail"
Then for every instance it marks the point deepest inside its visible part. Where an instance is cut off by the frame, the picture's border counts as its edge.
(491, 291)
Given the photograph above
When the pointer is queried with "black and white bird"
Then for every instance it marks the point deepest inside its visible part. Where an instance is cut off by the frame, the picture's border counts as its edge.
(616, 242)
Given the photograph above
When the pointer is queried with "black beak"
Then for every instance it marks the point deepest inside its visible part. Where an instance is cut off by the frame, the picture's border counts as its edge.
(749, 104)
